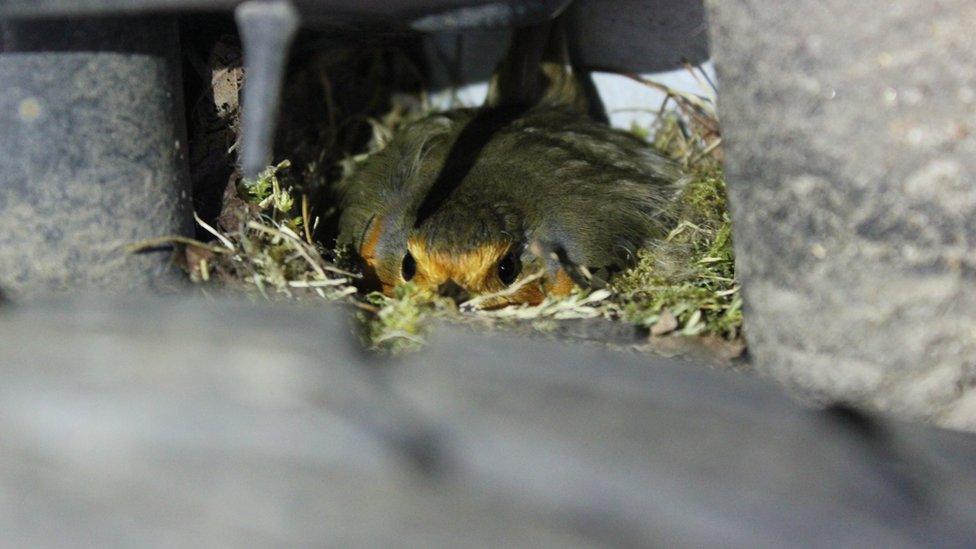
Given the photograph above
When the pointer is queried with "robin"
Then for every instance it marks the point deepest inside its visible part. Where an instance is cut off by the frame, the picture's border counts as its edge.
(515, 199)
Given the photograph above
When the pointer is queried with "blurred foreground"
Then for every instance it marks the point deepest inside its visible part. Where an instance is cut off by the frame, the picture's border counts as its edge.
(183, 421)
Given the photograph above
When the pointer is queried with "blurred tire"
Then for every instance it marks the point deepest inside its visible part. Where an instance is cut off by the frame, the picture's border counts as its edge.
(851, 163)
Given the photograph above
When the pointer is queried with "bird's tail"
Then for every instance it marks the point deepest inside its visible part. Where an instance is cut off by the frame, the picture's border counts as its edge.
(539, 68)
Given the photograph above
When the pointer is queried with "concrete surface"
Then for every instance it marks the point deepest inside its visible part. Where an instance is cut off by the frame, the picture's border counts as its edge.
(201, 421)
(849, 132)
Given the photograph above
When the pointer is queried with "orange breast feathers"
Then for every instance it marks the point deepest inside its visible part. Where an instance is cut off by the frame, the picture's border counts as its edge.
(474, 270)
(367, 251)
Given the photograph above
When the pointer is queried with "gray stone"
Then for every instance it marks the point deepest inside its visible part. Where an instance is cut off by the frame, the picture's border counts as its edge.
(91, 154)
(849, 133)
(174, 422)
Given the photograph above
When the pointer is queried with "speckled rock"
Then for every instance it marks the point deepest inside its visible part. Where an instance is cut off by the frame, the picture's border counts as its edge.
(852, 170)
(91, 154)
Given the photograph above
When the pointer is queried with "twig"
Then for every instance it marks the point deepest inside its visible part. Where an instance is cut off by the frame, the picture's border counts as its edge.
(698, 102)
(707, 150)
(397, 334)
(300, 248)
(170, 240)
(223, 239)
(365, 306)
(318, 283)
(707, 80)
(319, 266)
(305, 218)
(511, 290)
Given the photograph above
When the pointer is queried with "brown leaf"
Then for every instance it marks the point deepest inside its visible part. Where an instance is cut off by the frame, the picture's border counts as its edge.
(235, 212)
(195, 258)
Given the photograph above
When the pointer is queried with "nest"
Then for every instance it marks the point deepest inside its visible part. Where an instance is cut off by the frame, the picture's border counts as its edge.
(268, 236)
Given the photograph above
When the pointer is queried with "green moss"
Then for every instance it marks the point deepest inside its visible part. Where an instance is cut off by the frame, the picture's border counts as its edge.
(399, 322)
(270, 192)
(640, 131)
(690, 276)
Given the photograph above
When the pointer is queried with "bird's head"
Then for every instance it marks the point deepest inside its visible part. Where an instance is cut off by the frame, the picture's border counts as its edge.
(471, 249)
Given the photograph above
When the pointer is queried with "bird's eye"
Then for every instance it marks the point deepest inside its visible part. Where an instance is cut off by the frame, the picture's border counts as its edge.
(509, 268)
(408, 267)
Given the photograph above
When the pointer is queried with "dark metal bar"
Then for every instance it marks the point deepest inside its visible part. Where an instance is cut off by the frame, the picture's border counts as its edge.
(421, 14)
(267, 29)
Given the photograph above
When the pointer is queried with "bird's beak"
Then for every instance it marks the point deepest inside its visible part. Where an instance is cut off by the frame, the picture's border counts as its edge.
(452, 290)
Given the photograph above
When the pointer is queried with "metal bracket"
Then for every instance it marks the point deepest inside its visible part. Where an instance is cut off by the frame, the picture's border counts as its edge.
(267, 29)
